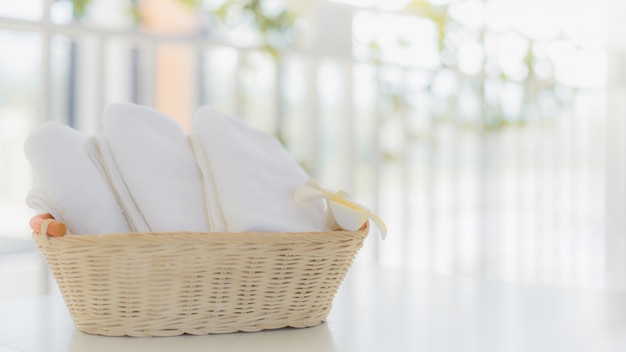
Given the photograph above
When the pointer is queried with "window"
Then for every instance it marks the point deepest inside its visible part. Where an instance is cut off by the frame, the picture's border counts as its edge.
(476, 129)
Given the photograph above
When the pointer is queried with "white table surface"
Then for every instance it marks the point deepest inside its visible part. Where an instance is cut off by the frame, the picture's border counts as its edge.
(375, 309)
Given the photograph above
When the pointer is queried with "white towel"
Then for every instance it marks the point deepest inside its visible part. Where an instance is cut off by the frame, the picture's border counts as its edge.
(156, 163)
(38, 199)
(255, 177)
(99, 151)
(214, 208)
(72, 184)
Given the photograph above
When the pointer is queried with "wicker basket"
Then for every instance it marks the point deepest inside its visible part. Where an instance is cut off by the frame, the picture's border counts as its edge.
(165, 284)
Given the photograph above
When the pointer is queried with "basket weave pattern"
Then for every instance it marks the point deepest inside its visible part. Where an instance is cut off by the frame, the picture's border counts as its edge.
(165, 284)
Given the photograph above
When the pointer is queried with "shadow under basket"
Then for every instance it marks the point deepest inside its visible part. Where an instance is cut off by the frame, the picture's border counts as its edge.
(166, 284)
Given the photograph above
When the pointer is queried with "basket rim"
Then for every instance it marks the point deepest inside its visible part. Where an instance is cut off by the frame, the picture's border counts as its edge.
(365, 228)
(217, 237)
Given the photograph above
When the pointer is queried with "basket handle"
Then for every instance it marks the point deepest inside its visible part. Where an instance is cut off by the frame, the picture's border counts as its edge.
(45, 224)
(42, 232)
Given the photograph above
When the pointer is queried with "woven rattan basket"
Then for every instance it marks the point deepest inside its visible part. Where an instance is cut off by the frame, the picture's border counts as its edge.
(164, 284)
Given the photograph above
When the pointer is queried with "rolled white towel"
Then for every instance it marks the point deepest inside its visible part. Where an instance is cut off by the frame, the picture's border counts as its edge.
(73, 187)
(214, 208)
(156, 163)
(255, 177)
(98, 150)
(38, 200)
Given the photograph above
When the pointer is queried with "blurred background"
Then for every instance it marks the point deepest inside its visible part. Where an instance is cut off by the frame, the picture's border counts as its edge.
(488, 134)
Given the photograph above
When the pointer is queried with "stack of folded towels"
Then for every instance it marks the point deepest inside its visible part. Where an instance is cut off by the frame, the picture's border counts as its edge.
(145, 174)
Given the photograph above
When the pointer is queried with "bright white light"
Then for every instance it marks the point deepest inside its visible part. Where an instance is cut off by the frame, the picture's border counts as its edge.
(25, 57)
(511, 26)
(22, 9)
(404, 40)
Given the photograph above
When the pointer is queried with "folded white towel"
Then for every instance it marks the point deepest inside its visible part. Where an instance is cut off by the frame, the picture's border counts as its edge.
(73, 187)
(99, 151)
(156, 163)
(38, 199)
(214, 208)
(255, 177)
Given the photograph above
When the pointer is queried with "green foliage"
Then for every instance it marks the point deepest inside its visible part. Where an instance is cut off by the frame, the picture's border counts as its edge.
(79, 7)
(437, 14)
(191, 4)
(276, 27)
(492, 119)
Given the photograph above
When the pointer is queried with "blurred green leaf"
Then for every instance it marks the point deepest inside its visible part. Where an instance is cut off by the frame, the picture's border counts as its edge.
(79, 7)
(191, 4)
(276, 30)
(403, 42)
(438, 14)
